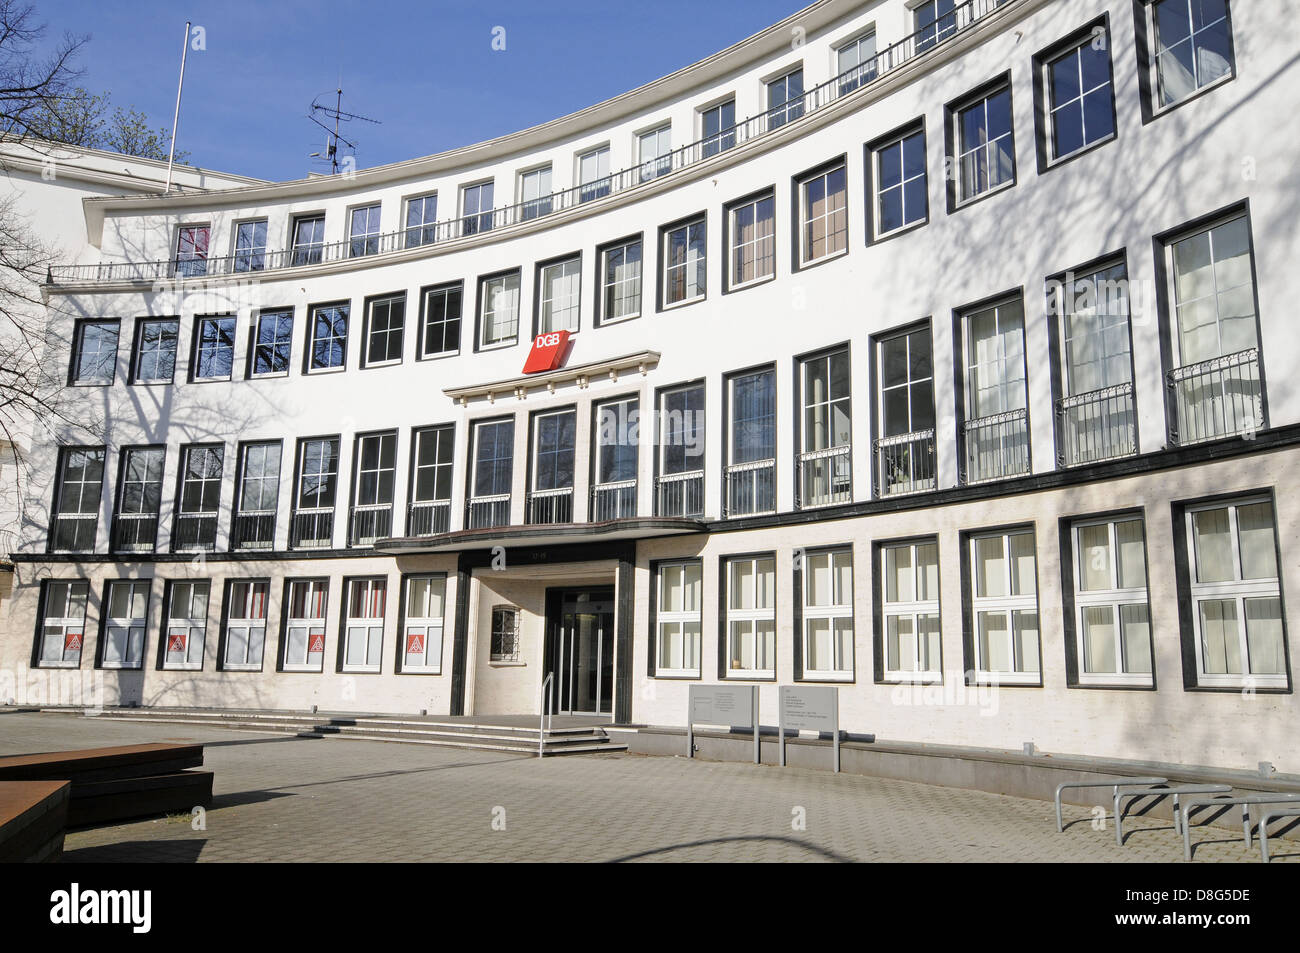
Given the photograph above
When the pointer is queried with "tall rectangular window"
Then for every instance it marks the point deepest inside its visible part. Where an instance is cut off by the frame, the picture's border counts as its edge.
(751, 444)
(363, 230)
(785, 99)
(620, 281)
(433, 455)
(1193, 46)
(272, 343)
(198, 507)
(901, 183)
(258, 496)
(654, 149)
(423, 624)
(996, 429)
(718, 128)
(560, 285)
(304, 632)
(329, 337)
(684, 252)
(191, 251)
(905, 449)
(855, 62)
(421, 220)
(492, 455)
(94, 352)
(554, 451)
(187, 625)
(499, 310)
(440, 320)
(1080, 110)
(616, 443)
(680, 490)
(308, 239)
(363, 630)
(909, 612)
(476, 208)
(1235, 594)
(751, 617)
(139, 490)
(317, 483)
(62, 629)
(823, 215)
(250, 246)
(934, 20)
(535, 193)
(678, 610)
(155, 357)
(828, 615)
(126, 618)
(753, 240)
(372, 495)
(1112, 617)
(826, 430)
(385, 329)
(1003, 616)
(245, 624)
(593, 174)
(214, 348)
(76, 499)
(985, 147)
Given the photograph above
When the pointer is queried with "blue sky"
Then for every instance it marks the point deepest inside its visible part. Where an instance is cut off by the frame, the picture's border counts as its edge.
(426, 69)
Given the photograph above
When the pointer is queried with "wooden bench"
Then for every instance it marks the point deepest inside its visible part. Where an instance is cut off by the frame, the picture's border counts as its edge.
(33, 815)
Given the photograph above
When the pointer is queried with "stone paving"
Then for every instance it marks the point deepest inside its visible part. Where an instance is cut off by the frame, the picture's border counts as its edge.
(288, 799)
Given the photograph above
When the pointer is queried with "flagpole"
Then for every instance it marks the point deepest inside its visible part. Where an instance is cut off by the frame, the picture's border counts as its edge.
(176, 116)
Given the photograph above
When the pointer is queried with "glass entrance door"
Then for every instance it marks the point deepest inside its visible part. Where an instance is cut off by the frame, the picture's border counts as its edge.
(580, 650)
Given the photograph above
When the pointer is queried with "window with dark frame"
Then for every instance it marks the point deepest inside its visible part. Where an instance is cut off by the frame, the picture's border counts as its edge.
(1080, 106)
(620, 281)
(155, 357)
(1191, 45)
(250, 246)
(198, 505)
(94, 353)
(385, 330)
(901, 183)
(272, 343)
(984, 144)
(440, 333)
(77, 496)
(139, 500)
(214, 348)
(329, 336)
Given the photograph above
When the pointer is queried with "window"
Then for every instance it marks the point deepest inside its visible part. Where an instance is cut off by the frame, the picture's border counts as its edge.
(855, 62)
(785, 99)
(910, 611)
(505, 634)
(1004, 606)
(94, 353)
(905, 451)
(329, 337)
(385, 329)
(440, 321)
(985, 156)
(1112, 618)
(304, 633)
(1235, 599)
(679, 591)
(245, 624)
(63, 623)
(363, 229)
(214, 348)
(684, 262)
(258, 496)
(187, 625)
(191, 251)
(996, 431)
(273, 343)
(751, 616)
(753, 240)
(493, 454)
(751, 469)
(827, 593)
(826, 431)
(318, 470)
(126, 617)
(560, 290)
(308, 239)
(617, 429)
(197, 508)
(901, 183)
(554, 435)
(250, 246)
(535, 193)
(422, 626)
(476, 208)
(363, 630)
(936, 20)
(421, 220)
(77, 496)
(620, 281)
(431, 464)
(135, 524)
(1081, 101)
(593, 174)
(1193, 46)
(823, 215)
(680, 490)
(718, 127)
(372, 495)
(499, 310)
(655, 151)
(155, 354)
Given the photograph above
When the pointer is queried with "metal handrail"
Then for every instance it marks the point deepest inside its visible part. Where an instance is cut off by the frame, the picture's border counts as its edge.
(548, 684)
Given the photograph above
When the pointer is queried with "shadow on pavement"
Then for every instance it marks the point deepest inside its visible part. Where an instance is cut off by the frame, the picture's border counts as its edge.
(138, 852)
(823, 852)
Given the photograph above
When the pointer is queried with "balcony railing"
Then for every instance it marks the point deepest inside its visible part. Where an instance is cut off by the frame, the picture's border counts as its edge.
(825, 476)
(1098, 425)
(195, 531)
(253, 529)
(751, 488)
(905, 463)
(997, 446)
(613, 501)
(135, 532)
(680, 494)
(312, 528)
(74, 532)
(486, 511)
(428, 518)
(1217, 398)
(793, 112)
(550, 506)
(370, 522)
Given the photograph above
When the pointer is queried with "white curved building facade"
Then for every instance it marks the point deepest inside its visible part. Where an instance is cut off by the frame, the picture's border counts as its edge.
(954, 375)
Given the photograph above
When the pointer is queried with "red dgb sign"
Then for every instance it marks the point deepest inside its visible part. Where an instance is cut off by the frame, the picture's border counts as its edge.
(547, 351)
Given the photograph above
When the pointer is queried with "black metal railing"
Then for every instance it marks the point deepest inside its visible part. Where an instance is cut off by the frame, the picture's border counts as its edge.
(1098, 425)
(1217, 398)
(253, 529)
(370, 522)
(74, 532)
(825, 476)
(312, 528)
(135, 532)
(488, 511)
(680, 494)
(550, 506)
(428, 518)
(997, 446)
(195, 531)
(905, 463)
(612, 501)
(751, 488)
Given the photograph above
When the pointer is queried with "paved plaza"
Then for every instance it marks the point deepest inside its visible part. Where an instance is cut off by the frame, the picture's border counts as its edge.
(287, 799)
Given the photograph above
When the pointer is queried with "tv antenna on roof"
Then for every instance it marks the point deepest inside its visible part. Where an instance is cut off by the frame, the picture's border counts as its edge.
(336, 113)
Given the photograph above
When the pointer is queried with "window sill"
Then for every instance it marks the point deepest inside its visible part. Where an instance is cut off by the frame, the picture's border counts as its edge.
(752, 283)
(678, 674)
(360, 670)
(368, 365)
(438, 355)
(1079, 152)
(118, 667)
(270, 376)
(419, 670)
(804, 265)
(157, 383)
(827, 677)
(1158, 111)
(187, 667)
(91, 384)
(957, 206)
(240, 667)
(685, 302)
(740, 675)
(619, 320)
(211, 380)
(1244, 684)
(303, 669)
(903, 678)
(504, 664)
(45, 664)
(499, 345)
(316, 371)
(901, 230)
(1008, 679)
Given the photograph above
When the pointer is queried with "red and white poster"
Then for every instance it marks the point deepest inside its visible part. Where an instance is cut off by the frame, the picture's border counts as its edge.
(316, 644)
(414, 643)
(72, 640)
(176, 642)
(547, 352)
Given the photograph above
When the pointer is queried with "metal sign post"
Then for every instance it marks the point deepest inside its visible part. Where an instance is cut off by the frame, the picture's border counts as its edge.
(815, 707)
(735, 706)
